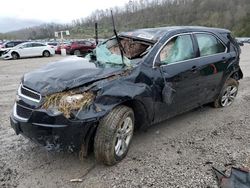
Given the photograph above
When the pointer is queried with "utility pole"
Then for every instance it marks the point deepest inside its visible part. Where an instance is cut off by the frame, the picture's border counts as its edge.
(96, 34)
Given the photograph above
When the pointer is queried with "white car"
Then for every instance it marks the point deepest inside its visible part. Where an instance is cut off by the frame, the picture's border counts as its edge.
(29, 49)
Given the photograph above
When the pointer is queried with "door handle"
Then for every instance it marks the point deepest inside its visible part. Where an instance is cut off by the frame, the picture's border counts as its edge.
(194, 68)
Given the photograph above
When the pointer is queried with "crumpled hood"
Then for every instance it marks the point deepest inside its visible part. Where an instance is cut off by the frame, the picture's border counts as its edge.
(66, 74)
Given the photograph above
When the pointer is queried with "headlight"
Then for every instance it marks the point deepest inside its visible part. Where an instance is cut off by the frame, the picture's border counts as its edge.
(7, 51)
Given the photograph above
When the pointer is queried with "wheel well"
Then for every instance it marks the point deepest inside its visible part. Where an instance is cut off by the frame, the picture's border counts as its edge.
(46, 51)
(141, 119)
(15, 53)
(141, 115)
(237, 75)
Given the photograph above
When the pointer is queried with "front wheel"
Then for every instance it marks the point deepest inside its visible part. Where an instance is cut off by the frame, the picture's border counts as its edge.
(228, 93)
(114, 135)
(14, 55)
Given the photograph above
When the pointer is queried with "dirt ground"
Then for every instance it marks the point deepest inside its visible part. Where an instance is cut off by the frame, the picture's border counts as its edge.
(176, 153)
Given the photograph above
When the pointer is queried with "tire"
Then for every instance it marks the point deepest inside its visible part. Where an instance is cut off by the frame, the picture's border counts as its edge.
(77, 52)
(46, 53)
(114, 135)
(228, 94)
(15, 55)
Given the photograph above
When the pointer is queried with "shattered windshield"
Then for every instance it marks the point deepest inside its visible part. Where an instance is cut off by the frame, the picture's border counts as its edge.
(109, 52)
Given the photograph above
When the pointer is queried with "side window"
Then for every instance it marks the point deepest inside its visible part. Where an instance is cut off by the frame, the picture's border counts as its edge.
(37, 45)
(179, 48)
(208, 44)
(87, 43)
(28, 45)
(10, 45)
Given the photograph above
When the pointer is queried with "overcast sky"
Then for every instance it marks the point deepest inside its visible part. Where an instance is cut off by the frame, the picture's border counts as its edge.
(63, 11)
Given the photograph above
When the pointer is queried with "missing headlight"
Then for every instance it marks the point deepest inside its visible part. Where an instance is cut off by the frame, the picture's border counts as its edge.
(66, 102)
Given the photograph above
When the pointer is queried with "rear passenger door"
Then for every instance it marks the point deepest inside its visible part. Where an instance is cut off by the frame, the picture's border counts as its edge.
(212, 62)
(37, 49)
(81, 46)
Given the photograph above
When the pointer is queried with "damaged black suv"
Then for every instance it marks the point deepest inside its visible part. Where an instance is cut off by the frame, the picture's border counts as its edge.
(134, 80)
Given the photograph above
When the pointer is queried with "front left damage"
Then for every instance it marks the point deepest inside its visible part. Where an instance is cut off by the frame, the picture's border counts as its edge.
(66, 115)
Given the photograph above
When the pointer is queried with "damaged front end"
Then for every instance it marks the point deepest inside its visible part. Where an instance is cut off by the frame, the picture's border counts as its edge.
(49, 121)
(59, 106)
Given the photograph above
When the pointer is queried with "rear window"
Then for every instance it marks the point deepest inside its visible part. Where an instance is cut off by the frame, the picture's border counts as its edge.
(209, 44)
(234, 44)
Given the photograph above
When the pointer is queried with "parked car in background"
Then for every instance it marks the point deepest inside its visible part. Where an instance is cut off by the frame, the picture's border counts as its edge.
(65, 45)
(52, 44)
(99, 101)
(1, 44)
(10, 44)
(240, 42)
(29, 49)
(243, 40)
(80, 48)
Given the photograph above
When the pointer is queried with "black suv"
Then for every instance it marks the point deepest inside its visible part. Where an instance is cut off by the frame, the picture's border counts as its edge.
(131, 81)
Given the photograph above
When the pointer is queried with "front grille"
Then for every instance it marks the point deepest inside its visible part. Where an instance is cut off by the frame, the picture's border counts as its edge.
(23, 111)
(29, 94)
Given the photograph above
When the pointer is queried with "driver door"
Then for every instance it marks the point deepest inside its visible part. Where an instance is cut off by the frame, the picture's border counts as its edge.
(179, 69)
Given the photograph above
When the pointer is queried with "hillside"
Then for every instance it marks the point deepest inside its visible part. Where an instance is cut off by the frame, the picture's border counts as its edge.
(230, 14)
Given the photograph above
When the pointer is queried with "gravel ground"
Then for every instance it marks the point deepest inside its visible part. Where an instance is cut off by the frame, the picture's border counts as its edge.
(176, 153)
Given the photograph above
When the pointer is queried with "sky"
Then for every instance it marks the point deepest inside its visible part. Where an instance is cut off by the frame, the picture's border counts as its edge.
(35, 12)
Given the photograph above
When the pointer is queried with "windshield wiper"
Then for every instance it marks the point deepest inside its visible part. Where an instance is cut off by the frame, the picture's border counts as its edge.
(118, 40)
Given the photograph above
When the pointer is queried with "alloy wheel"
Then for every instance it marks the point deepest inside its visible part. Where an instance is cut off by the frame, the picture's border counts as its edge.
(229, 95)
(123, 136)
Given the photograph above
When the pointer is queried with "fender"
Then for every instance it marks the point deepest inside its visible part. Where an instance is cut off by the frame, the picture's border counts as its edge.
(138, 98)
(233, 71)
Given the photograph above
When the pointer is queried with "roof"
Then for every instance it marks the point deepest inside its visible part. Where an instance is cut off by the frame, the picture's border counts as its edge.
(154, 34)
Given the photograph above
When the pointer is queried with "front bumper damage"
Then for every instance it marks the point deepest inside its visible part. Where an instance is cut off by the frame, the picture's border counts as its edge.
(54, 132)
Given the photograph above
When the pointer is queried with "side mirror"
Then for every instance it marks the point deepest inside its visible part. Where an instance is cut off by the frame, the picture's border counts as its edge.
(20, 47)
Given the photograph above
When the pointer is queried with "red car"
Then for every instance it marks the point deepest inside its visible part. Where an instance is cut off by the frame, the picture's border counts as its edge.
(59, 47)
(80, 48)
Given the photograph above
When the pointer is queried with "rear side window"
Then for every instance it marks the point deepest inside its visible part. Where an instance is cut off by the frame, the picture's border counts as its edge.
(87, 43)
(179, 48)
(37, 45)
(16, 43)
(209, 45)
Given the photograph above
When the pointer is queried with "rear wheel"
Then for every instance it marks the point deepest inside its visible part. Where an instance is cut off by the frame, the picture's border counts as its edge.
(77, 52)
(46, 53)
(114, 135)
(15, 55)
(228, 93)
